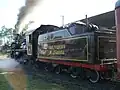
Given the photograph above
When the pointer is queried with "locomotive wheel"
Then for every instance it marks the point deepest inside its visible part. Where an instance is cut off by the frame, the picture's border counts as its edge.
(58, 69)
(74, 73)
(82, 75)
(24, 59)
(48, 67)
(93, 76)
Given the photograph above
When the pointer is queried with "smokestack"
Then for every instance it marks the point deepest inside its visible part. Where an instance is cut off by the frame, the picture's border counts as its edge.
(117, 18)
(25, 10)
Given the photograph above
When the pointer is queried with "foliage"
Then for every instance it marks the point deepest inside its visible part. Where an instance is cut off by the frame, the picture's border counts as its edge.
(6, 33)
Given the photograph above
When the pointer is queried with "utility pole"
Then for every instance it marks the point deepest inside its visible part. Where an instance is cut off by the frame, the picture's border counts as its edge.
(62, 20)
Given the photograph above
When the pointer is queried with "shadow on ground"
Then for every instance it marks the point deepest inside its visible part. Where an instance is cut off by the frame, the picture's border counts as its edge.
(25, 77)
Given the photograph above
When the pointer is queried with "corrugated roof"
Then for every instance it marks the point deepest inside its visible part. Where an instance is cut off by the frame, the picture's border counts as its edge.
(105, 20)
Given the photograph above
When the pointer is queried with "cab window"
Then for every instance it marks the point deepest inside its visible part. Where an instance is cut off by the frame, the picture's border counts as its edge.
(58, 35)
(30, 38)
(77, 29)
(61, 34)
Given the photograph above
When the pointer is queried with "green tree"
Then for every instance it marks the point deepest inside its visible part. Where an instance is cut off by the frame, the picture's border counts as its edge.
(6, 34)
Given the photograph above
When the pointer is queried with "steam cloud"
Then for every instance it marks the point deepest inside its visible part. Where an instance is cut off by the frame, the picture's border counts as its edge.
(25, 10)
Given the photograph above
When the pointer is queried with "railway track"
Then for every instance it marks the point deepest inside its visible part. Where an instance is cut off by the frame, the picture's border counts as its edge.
(68, 82)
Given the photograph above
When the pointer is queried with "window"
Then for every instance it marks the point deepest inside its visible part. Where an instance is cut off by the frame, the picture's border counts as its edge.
(72, 30)
(54, 35)
(27, 39)
(43, 37)
(50, 36)
(30, 38)
(66, 33)
(77, 29)
(58, 34)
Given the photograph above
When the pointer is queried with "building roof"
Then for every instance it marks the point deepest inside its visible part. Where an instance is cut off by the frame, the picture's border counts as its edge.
(105, 20)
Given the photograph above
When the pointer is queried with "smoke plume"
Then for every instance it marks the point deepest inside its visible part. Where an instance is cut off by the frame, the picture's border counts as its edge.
(25, 10)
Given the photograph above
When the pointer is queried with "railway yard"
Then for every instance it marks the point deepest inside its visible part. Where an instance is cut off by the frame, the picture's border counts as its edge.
(79, 55)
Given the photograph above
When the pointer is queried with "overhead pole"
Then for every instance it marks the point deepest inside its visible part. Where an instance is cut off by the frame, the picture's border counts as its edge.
(62, 20)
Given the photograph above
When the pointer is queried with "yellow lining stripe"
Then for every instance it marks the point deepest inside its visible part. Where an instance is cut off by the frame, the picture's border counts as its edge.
(61, 59)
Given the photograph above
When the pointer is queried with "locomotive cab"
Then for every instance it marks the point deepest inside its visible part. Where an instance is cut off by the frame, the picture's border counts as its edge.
(29, 42)
(32, 39)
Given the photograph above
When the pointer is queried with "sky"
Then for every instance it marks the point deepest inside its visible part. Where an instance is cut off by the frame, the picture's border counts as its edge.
(8, 11)
(50, 11)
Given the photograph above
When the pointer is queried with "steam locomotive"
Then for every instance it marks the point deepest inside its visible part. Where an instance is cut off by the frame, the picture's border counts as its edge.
(77, 48)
